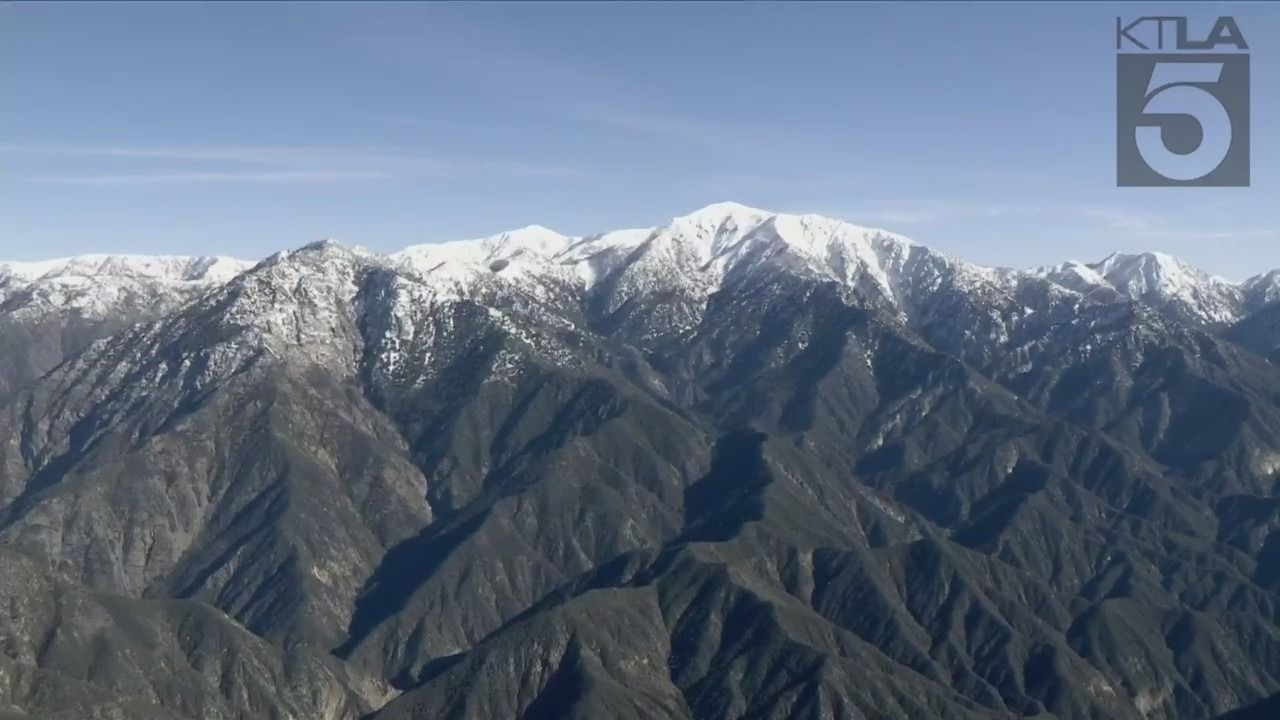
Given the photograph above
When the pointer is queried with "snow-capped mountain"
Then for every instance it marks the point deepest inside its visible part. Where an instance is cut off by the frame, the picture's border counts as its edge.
(536, 275)
(693, 255)
(60, 306)
(740, 463)
(696, 253)
(1162, 282)
(95, 285)
(1261, 290)
(509, 254)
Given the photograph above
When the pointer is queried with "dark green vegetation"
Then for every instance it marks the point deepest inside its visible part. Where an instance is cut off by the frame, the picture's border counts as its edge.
(325, 491)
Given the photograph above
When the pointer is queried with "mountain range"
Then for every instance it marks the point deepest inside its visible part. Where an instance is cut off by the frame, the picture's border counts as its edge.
(740, 465)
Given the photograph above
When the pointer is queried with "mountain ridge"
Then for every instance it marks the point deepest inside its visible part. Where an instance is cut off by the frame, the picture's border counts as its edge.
(1144, 276)
(739, 464)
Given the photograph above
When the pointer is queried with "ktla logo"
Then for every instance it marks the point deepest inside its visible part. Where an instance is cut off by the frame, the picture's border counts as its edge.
(1182, 105)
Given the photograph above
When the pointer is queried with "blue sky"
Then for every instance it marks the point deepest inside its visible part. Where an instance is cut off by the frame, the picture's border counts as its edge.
(986, 130)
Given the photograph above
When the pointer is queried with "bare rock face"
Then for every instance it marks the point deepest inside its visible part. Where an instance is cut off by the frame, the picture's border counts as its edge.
(740, 465)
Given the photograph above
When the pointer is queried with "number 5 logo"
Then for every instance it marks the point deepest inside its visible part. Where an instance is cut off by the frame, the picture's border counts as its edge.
(1182, 119)
(1175, 90)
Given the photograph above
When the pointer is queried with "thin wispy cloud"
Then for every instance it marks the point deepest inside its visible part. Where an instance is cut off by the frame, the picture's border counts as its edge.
(668, 127)
(1123, 219)
(533, 170)
(207, 177)
(270, 164)
(734, 141)
(240, 154)
(926, 212)
(1123, 225)
(1152, 227)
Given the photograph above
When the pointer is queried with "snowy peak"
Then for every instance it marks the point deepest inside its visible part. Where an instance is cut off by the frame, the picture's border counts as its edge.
(1151, 271)
(717, 228)
(1157, 280)
(513, 253)
(321, 256)
(97, 285)
(710, 229)
(1261, 289)
(166, 268)
(1074, 270)
(692, 256)
(720, 211)
(1079, 277)
(1163, 281)
(531, 238)
(696, 250)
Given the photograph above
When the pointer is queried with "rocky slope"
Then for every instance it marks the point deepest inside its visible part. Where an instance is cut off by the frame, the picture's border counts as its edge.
(739, 465)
